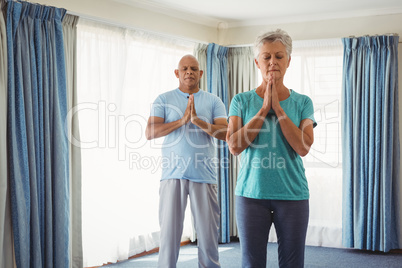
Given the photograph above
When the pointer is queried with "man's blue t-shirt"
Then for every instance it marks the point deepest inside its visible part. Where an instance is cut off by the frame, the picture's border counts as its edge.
(189, 152)
(269, 167)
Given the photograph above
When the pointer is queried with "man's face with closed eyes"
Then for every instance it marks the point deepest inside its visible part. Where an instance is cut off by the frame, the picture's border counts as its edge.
(189, 73)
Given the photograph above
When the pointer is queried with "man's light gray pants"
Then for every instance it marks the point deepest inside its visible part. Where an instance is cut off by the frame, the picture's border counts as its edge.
(205, 209)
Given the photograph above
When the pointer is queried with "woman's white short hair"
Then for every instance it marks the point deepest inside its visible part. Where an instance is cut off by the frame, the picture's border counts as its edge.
(273, 36)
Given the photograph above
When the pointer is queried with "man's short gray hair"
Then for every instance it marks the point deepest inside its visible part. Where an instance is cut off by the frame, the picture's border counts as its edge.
(270, 37)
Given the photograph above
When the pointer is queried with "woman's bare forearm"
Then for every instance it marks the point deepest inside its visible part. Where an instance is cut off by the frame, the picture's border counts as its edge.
(243, 136)
(299, 139)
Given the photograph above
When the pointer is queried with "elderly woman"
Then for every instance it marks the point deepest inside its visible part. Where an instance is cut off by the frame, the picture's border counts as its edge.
(272, 127)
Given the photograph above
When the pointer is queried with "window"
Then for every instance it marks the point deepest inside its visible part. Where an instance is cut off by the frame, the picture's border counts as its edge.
(316, 70)
(120, 73)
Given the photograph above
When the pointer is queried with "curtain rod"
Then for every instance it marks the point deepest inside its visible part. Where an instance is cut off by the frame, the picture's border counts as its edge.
(390, 34)
(367, 35)
(294, 42)
(100, 20)
(244, 45)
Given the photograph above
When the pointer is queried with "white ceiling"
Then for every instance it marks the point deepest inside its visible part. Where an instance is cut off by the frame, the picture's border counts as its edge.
(235, 13)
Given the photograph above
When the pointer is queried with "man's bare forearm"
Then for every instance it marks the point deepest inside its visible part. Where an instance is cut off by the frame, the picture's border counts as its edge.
(217, 131)
(157, 130)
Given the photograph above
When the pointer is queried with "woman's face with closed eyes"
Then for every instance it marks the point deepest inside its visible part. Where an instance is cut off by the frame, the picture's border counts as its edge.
(273, 60)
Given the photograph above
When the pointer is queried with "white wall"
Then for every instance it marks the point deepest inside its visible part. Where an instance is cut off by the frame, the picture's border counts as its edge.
(336, 28)
(129, 16)
(121, 14)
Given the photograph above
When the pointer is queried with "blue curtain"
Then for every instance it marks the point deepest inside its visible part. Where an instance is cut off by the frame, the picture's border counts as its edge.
(370, 131)
(37, 142)
(217, 81)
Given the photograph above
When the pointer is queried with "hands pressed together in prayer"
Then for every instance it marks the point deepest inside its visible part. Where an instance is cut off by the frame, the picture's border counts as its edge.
(217, 129)
(271, 100)
(190, 114)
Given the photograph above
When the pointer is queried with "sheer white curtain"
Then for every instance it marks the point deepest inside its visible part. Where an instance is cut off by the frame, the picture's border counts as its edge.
(200, 52)
(120, 73)
(70, 50)
(6, 240)
(316, 70)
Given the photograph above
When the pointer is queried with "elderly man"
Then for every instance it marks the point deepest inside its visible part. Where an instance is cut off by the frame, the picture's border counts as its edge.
(189, 119)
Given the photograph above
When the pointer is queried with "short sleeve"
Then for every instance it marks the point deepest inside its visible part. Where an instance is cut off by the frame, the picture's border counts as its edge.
(219, 109)
(235, 105)
(158, 107)
(308, 111)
